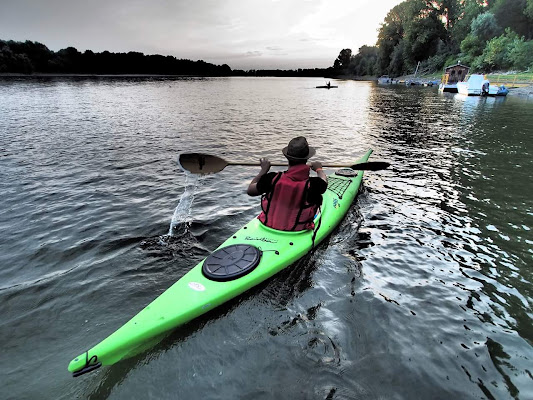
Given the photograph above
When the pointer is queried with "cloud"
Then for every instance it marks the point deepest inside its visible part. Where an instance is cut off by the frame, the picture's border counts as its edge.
(212, 30)
(253, 54)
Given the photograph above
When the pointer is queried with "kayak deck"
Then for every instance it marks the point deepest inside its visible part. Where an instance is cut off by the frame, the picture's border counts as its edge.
(194, 294)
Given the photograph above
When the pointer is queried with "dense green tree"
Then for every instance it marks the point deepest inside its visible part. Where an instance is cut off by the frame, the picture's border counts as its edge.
(514, 14)
(485, 26)
(422, 37)
(365, 61)
(28, 57)
(397, 65)
(472, 45)
(390, 35)
(438, 32)
(343, 60)
(469, 9)
(449, 11)
(521, 54)
(528, 12)
(507, 51)
(411, 32)
(14, 61)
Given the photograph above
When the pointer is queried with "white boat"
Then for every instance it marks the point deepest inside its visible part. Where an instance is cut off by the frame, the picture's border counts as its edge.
(448, 87)
(478, 85)
(474, 86)
(384, 80)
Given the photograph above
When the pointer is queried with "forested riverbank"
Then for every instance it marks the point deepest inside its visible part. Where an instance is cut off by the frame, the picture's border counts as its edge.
(494, 35)
(488, 36)
(33, 57)
(25, 58)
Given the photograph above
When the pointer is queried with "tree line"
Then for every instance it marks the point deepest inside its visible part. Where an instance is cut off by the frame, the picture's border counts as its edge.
(300, 72)
(33, 57)
(486, 35)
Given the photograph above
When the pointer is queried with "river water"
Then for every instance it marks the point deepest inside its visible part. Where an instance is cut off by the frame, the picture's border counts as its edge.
(423, 292)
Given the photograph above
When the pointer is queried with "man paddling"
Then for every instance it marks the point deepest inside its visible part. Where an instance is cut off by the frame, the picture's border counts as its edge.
(290, 199)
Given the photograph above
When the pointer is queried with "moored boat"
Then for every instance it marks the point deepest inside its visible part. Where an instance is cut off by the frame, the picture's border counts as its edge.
(453, 74)
(495, 90)
(474, 86)
(479, 85)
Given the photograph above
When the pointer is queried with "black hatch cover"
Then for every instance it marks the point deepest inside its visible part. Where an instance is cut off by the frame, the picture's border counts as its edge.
(231, 262)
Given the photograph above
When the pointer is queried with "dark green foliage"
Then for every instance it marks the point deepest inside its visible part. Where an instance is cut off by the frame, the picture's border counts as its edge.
(365, 61)
(435, 63)
(485, 27)
(422, 38)
(528, 12)
(29, 57)
(343, 61)
(472, 45)
(397, 65)
(513, 14)
(470, 9)
(391, 34)
(441, 32)
(508, 51)
(521, 54)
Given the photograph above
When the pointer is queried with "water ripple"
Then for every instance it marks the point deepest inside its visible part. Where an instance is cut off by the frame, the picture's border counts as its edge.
(424, 290)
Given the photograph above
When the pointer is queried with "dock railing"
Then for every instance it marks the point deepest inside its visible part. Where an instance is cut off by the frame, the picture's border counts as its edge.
(511, 81)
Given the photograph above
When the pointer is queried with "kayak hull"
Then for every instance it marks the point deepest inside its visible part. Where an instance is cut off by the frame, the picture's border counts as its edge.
(194, 294)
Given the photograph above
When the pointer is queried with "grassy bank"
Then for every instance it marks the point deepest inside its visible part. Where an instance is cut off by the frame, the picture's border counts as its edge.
(511, 79)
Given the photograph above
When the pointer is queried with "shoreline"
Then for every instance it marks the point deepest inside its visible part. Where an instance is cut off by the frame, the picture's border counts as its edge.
(520, 91)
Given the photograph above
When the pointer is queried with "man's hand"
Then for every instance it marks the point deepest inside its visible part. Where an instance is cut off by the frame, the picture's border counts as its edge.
(252, 187)
(265, 165)
(316, 165)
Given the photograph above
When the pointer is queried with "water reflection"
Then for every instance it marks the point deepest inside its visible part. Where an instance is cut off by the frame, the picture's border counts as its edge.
(473, 175)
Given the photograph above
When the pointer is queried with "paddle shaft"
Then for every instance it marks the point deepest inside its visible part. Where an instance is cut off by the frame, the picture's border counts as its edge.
(251, 164)
(206, 164)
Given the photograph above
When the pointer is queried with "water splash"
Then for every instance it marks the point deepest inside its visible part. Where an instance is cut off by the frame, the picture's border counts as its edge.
(182, 213)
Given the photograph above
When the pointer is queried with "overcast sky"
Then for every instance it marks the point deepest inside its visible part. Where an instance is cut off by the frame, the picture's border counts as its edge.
(245, 34)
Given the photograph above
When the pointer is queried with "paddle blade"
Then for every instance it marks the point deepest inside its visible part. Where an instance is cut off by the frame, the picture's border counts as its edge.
(197, 163)
(370, 166)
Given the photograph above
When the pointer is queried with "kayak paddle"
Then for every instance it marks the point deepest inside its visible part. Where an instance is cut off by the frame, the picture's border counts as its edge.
(199, 163)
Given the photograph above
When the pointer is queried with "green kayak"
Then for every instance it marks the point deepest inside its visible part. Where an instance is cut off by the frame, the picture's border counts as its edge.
(250, 256)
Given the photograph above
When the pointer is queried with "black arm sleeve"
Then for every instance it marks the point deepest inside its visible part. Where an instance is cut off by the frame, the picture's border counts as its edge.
(317, 186)
(264, 185)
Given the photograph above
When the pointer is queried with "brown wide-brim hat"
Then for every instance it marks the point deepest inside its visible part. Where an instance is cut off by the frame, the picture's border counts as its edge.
(298, 149)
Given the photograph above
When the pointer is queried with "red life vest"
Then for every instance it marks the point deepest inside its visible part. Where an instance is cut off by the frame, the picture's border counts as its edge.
(285, 207)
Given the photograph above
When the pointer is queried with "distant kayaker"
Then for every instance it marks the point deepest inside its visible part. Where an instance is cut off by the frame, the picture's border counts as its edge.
(329, 85)
(290, 199)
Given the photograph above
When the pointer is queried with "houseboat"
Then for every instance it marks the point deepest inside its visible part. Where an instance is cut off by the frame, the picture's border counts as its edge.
(452, 75)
